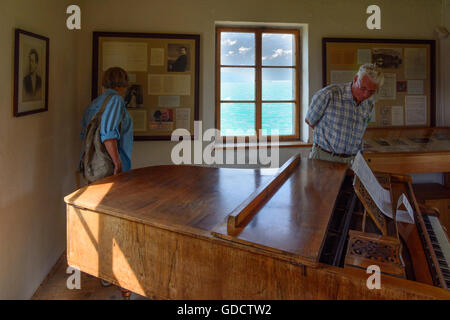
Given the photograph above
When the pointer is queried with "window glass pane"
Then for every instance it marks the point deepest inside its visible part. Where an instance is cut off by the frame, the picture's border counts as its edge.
(237, 84)
(278, 84)
(278, 49)
(237, 48)
(237, 119)
(278, 116)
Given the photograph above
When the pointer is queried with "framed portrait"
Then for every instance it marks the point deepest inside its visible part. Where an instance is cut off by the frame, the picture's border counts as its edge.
(178, 58)
(31, 65)
(164, 78)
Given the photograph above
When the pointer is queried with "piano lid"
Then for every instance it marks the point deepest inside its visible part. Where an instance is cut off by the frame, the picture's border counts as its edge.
(190, 198)
(293, 220)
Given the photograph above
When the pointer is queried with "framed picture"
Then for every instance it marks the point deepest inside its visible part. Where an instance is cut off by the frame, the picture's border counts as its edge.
(31, 63)
(407, 97)
(163, 72)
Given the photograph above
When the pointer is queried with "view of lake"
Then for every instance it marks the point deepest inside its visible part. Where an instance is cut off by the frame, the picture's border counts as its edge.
(238, 83)
(239, 118)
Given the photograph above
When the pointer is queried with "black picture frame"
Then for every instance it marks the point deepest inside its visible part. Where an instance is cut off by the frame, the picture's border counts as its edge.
(30, 87)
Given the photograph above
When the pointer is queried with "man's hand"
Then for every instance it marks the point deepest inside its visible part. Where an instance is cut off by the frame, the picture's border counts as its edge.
(111, 147)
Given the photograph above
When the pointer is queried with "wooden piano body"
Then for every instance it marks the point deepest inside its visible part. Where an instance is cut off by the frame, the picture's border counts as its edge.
(187, 232)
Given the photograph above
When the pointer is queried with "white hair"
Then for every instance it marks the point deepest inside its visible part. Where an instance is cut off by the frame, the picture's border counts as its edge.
(373, 72)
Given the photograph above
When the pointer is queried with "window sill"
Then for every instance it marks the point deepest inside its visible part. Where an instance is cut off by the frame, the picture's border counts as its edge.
(281, 144)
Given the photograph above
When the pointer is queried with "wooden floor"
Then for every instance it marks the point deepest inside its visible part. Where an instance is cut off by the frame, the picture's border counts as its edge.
(54, 287)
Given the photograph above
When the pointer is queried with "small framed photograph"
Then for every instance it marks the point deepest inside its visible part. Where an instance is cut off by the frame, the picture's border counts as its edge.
(178, 58)
(31, 64)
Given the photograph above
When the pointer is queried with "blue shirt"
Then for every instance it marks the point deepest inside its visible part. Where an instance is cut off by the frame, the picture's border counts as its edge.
(116, 124)
(339, 122)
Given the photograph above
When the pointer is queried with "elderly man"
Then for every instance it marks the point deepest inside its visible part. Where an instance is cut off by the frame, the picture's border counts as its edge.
(339, 115)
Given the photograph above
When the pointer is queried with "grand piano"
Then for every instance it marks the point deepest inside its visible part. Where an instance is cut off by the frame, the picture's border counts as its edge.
(302, 231)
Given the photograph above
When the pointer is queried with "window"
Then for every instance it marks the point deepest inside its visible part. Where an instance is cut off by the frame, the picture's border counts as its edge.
(258, 86)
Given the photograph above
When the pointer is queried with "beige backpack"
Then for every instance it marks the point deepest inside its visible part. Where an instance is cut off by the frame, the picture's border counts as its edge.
(96, 163)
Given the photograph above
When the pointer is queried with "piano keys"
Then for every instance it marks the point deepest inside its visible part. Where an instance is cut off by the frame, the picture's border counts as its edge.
(440, 245)
(186, 232)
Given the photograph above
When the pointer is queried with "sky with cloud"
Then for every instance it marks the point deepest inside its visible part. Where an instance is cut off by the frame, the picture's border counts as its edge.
(239, 49)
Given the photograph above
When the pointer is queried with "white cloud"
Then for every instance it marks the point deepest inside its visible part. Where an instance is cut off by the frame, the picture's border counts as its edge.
(229, 53)
(229, 42)
(243, 50)
(280, 52)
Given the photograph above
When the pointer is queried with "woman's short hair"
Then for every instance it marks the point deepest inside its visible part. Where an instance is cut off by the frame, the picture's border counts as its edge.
(115, 78)
(375, 74)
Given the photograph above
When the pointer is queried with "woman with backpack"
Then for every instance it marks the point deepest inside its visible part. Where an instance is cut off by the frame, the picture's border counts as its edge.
(107, 134)
(107, 130)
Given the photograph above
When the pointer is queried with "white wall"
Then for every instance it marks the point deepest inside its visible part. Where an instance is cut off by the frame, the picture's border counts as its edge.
(326, 18)
(37, 153)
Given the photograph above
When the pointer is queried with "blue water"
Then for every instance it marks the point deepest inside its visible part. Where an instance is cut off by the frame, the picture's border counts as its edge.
(239, 118)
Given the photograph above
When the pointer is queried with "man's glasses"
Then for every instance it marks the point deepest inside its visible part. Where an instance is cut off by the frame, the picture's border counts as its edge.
(365, 89)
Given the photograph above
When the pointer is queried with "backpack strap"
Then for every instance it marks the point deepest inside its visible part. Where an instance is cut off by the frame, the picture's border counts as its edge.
(102, 109)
